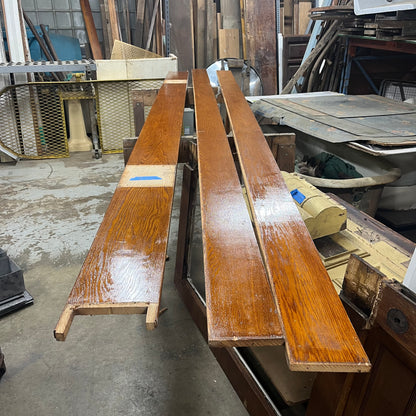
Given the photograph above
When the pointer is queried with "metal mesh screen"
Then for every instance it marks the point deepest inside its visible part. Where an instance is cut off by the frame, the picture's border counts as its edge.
(398, 90)
(33, 117)
(31, 121)
(115, 111)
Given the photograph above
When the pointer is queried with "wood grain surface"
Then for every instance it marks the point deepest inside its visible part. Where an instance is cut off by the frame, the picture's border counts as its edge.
(114, 23)
(260, 30)
(240, 306)
(126, 262)
(91, 29)
(317, 331)
(127, 257)
(159, 138)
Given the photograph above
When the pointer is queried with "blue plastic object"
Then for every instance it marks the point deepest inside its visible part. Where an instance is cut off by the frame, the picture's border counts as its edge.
(297, 196)
(66, 47)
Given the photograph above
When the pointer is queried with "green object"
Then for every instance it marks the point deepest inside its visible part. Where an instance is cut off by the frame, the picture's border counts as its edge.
(332, 167)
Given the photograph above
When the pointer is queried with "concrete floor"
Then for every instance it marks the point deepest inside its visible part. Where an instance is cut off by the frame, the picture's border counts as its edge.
(109, 365)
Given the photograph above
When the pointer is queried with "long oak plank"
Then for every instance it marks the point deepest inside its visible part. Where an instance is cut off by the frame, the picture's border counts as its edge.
(318, 334)
(240, 306)
(123, 271)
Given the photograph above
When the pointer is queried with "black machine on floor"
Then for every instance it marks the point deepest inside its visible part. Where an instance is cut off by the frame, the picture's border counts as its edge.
(13, 294)
(2, 365)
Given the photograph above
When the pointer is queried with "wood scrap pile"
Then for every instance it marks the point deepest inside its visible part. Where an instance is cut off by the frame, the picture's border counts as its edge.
(392, 26)
(383, 26)
(146, 31)
(199, 32)
(324, 68)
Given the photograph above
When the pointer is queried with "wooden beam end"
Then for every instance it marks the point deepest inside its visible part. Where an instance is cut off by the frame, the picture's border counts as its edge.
(152, 316)
(64, 323)
(331, 367)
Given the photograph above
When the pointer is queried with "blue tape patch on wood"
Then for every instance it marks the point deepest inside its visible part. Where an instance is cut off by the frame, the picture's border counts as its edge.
(297, 196)
(146, 178)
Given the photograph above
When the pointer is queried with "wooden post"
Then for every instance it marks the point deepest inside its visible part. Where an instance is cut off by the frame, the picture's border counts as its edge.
(115, 28)
(106, 38)
(201, 34)
(91, 30)
(304, 7)
(138, 30)
(228, 43)
(260, 19)
(181, 34)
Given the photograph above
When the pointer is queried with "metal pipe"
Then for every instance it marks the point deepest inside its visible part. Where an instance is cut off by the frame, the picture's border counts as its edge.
(41, 43)
(49, 42)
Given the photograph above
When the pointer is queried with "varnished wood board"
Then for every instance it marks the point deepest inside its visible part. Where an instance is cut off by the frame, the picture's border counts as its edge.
(127, 257)
(318, 334)
(240, 306)
(123, 271)
(148, 176)
(158, 143)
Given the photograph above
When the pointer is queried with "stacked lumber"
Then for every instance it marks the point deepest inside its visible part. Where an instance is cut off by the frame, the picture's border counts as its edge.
(324, 68)
(395, 26)
(199, 32)
(146, 32)
(382, 26)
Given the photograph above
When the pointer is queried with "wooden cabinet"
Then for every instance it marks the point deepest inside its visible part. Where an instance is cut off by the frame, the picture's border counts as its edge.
(294, 47)
(389, 338)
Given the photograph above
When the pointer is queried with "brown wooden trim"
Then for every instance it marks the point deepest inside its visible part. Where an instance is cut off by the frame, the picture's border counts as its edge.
(318, 333)
(246, 386)
(240, 307)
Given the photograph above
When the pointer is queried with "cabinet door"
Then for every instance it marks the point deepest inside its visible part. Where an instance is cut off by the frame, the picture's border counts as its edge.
(390, 388)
